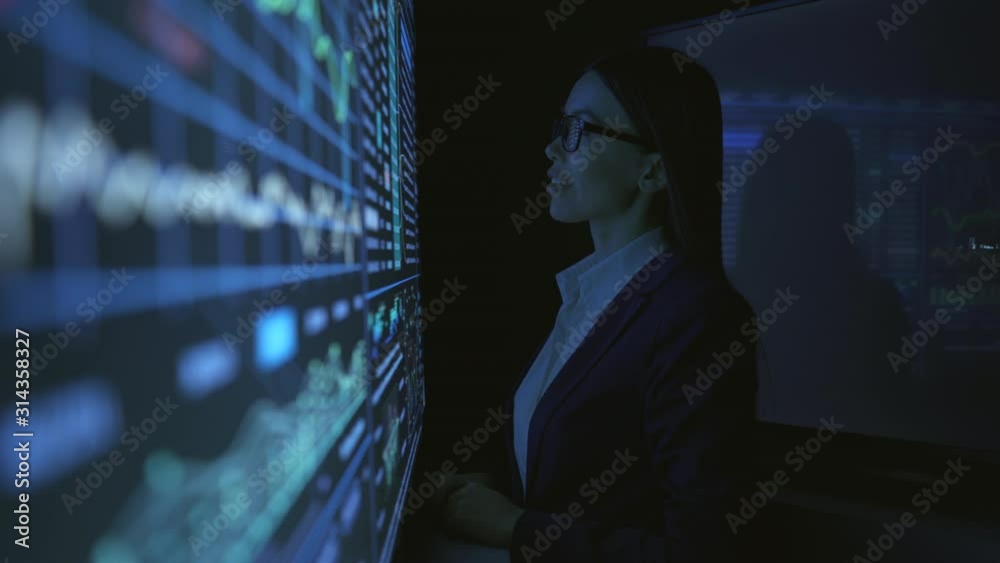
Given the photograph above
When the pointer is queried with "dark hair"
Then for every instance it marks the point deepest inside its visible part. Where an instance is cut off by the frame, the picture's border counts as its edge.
(674, 102)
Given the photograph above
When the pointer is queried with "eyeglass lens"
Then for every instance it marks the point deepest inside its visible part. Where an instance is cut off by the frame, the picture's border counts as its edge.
(568, 130)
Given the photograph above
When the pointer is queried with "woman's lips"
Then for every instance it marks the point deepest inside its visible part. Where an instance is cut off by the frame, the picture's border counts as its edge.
(564, 178)
(559, 184)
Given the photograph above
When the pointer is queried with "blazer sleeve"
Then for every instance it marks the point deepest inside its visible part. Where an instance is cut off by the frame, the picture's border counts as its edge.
(696, 436)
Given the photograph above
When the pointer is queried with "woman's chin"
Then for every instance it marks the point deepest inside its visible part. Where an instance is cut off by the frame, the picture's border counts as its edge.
(562, 213)
(556, 190)
(563, 207)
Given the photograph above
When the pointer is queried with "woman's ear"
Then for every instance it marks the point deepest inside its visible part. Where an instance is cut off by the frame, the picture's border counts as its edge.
(653, 176)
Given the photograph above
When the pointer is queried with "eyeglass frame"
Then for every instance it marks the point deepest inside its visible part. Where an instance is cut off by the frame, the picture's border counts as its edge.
(557, 130)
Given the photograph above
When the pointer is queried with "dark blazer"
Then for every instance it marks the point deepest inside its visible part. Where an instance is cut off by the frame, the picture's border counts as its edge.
(628, 407)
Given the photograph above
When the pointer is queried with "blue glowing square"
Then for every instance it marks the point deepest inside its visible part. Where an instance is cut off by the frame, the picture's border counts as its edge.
(277, 339)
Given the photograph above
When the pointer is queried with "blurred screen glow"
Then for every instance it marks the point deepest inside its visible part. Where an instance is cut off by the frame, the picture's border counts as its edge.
(184, 183)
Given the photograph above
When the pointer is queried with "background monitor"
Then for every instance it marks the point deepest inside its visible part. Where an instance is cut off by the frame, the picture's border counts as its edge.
(861, 208)
(208, 247)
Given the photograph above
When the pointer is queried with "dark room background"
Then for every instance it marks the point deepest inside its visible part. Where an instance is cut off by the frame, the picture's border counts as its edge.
(894, 88)
(905, 423)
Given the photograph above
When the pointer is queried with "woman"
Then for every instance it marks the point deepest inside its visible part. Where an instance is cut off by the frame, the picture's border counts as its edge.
(630, 428)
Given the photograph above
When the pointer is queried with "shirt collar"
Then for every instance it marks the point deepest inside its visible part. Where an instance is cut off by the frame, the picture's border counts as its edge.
(593, 280)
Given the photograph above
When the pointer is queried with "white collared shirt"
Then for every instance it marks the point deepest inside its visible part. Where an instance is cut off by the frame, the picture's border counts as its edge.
(587, 287)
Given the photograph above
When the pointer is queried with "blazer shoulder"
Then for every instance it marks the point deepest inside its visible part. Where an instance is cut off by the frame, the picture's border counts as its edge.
(693, 293)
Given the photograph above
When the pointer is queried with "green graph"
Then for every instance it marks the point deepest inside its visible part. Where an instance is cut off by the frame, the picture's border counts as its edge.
(179, 508)
(339, 64)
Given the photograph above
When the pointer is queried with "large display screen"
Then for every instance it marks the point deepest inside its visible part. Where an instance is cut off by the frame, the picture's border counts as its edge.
(862, 208)
(209, 257)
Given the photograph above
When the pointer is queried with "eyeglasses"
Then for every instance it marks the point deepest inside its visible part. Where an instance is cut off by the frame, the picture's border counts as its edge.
(571, 127)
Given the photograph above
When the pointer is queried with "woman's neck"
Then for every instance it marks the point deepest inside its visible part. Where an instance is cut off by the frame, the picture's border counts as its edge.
(613, 233)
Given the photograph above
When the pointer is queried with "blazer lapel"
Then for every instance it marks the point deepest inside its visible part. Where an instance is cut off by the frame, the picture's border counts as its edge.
(586, 356)
(518, 486)
(574, 371)
(527, 367)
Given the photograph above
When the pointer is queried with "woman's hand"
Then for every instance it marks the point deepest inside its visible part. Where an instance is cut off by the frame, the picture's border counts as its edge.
(482, 514)
(454, 482)
(484, 479)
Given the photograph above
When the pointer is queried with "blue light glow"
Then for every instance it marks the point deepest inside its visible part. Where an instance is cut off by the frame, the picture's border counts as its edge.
(277, 339)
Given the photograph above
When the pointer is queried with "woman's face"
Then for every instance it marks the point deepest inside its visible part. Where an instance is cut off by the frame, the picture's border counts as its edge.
(599, 179)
